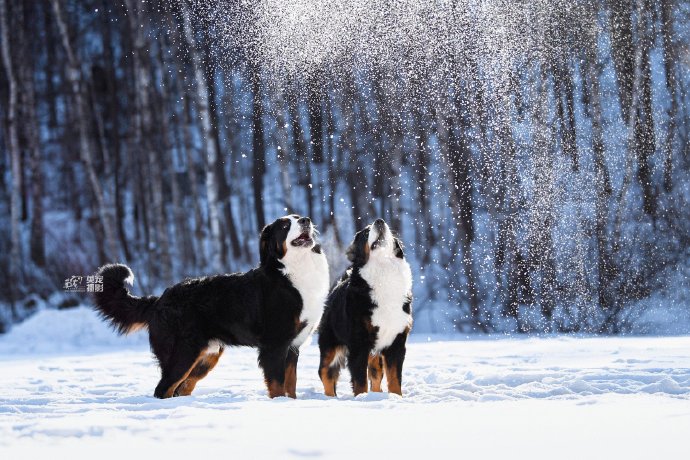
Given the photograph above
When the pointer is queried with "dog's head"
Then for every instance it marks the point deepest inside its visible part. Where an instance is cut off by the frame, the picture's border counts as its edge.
(288, 233)
(375, 240)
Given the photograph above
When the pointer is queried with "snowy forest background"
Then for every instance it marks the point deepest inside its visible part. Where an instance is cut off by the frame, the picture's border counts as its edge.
(533, 155)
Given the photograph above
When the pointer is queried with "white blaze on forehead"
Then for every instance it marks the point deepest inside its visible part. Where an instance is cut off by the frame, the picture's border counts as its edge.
(295, 228)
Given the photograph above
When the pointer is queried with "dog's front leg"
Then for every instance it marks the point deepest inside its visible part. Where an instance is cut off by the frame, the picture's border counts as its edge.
(394, 356)
(291, 372)
(272, 362)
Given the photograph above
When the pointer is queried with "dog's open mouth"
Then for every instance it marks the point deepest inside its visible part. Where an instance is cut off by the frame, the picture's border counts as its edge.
(303, 240)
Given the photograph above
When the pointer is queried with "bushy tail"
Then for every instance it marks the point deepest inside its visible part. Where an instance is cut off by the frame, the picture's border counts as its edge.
(122, 310)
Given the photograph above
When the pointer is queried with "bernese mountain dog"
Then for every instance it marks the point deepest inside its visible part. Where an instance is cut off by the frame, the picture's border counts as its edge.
(368, 314)
(274, 307)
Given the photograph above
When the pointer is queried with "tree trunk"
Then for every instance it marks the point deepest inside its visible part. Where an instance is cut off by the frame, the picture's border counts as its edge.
(631, 125)
(207, 138)
(542, 216)
(282, 142)
(502, 185)
(425, 237)
(16, 268)
(194, 180)
(259, 162)
(223, 187)
(461, 189)
(670, 61)
(234, 227)
(31, 133)
(349, 144)
(301, 151)
(565, 100)
(110, 43)
(622, 51)
(76, 85)
(602, 181)
(333, 171)
(314, 106)
(455, 157)
(644, 124)
(143, 131)
(182, 252)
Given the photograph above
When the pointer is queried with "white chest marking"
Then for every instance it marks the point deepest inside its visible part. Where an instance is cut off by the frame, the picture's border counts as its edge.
(390, 279)
(308, 272)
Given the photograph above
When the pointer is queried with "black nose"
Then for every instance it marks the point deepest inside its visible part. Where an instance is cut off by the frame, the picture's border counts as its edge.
(304, 220)
(379, 222)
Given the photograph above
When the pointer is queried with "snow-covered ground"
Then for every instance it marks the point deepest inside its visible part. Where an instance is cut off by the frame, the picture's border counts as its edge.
(70, 388)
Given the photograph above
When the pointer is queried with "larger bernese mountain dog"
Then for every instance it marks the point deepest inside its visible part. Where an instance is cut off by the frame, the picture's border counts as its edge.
(368, 314)
(273, 307)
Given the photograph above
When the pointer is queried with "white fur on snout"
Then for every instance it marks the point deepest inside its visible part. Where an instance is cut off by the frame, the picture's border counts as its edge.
(308, 272)
(386, 245)
(390, 279)
(295, 230)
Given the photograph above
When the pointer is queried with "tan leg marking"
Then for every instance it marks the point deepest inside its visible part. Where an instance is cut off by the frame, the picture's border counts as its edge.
(275, 389)
(329, 373)
(203, 366)
(170, 392)
(394, 385)
(375, 372)
(291, 380)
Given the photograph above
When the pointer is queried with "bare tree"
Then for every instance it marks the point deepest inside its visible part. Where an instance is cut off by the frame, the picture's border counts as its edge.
(670, 68)
(622, 50)
(202, 103)
(258, 149)
(32, 136)
(142, 144)
(73, 74)
(16, 266)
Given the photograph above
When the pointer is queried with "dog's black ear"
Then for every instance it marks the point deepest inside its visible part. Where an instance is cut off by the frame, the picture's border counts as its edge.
(357, 252)
(281, 248)
(351, 252)
(398, 248)
(265, 244)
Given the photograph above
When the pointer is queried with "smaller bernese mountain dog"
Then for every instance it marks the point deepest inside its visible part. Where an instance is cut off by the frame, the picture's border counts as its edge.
(273, 307)
(368, 314)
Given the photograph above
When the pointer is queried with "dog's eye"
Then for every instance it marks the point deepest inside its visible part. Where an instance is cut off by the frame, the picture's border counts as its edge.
(286, 224)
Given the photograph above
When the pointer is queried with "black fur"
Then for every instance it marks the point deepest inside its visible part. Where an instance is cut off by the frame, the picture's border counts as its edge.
(346, 322)
(259, 308)
(122, 310)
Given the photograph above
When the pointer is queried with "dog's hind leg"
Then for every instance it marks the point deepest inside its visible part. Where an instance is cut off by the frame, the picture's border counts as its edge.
(207, 361)
(273, 363)
(357, 363)
(291, 372)
(176, 370)
(329, 369)
(375, 372)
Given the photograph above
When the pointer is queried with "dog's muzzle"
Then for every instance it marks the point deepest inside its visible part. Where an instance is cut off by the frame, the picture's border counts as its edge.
(381, 233)
(306, 236)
